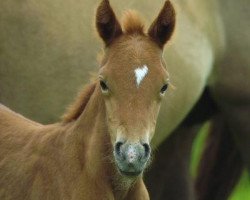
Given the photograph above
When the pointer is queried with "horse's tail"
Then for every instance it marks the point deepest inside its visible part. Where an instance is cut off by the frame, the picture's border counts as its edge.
(221, 164)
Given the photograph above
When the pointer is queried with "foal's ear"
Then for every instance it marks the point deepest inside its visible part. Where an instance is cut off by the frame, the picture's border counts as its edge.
(107, 25)
(163, 26)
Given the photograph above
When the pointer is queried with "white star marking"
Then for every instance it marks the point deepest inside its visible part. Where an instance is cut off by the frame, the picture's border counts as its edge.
(140, 74)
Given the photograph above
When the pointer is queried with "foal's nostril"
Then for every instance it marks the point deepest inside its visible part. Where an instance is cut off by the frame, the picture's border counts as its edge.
(118, 147)
(146, 149)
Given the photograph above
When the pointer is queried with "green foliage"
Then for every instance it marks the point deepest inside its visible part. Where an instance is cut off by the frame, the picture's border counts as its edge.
(242, 190)
(197, 148)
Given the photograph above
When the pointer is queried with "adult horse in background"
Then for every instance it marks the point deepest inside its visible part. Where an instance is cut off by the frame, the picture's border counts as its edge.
(102, 145)
(227, 100)
(46, 45)
(227, 151)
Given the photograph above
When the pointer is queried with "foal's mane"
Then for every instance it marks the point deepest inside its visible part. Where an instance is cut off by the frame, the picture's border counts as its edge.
(132, 24)
(76, 109)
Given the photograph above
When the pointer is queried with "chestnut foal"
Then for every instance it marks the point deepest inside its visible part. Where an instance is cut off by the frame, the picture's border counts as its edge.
(102, 146)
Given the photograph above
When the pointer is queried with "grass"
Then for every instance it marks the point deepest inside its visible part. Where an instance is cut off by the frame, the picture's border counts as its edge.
(242, 189)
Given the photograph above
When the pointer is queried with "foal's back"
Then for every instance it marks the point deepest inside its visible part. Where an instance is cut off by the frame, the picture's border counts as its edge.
(28, 157)
(15, 136)
(15, 130)
(8, 117)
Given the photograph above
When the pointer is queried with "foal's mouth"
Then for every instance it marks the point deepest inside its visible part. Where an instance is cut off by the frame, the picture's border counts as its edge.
(130, 174)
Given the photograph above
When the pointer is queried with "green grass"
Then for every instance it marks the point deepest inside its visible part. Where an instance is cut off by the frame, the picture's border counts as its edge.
(242, 189)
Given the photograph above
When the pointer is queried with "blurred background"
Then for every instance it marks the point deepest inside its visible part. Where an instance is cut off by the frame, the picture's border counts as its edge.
(48, 50)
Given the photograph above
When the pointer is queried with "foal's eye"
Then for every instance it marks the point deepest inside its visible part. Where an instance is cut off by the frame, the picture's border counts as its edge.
(163, 89)
(104, 87)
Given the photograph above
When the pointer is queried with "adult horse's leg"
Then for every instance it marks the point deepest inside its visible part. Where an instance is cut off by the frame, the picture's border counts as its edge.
(169, 177)
(238, 120)
(226, 153)
(221, 164)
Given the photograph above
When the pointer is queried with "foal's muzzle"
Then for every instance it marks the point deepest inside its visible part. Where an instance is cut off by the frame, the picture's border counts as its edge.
(131, 158)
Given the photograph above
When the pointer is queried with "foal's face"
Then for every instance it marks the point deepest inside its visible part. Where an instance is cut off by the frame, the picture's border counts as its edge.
(133, 81)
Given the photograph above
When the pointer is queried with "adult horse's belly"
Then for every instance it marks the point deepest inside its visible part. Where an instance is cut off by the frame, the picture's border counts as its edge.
(232, 75)
(47, 49)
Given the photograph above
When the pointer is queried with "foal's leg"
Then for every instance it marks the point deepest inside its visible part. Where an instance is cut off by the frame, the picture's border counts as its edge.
(169, 177)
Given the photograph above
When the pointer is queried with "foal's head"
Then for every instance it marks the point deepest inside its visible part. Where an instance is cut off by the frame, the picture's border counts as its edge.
(133, 81)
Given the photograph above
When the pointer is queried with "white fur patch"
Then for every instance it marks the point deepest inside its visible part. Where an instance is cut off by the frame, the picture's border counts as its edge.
(132, 155)
(140, 74)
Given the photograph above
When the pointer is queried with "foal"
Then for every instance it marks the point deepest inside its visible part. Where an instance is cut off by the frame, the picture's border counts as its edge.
(101, 147)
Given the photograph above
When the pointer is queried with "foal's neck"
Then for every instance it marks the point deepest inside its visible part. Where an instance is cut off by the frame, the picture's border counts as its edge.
(92, 131)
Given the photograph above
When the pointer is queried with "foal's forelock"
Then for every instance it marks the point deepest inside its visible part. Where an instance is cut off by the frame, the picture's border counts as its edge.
(132, 23)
